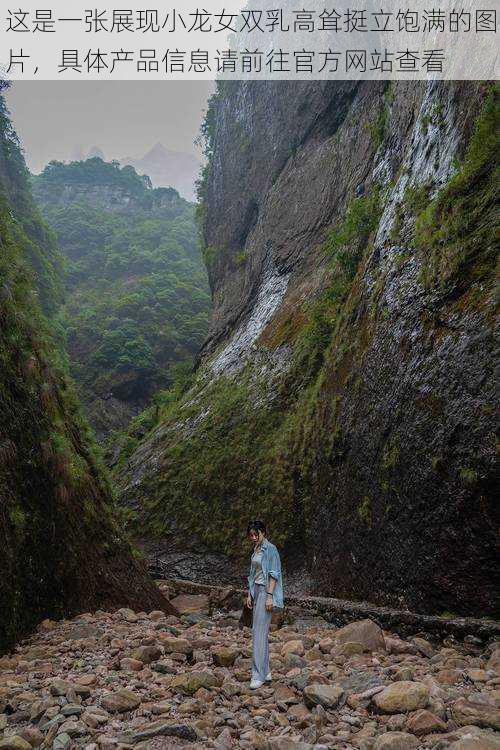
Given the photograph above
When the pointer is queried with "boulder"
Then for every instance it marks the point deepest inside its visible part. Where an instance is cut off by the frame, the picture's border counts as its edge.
(396, 741)
(449, 676)
(327, 696)
(224, 656)
(60, 687)
(131, 665)
(285, 743)
(162, 729)
(171, 645)
(424, 722)
(349, 649)
(466, 711)
(32, 735)
(188, 683)
(476, 742)
(146, 654)
(494, 661)
(121, 701)
(365, 632)
(14, 742)
(62, 741)
(400, 697)
(294, 647)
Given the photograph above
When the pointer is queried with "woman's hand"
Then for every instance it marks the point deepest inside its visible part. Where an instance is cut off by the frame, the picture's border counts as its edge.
(269, 602)
(249, 601)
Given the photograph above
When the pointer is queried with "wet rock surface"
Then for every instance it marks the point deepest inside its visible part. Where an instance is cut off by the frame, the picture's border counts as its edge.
(150, 680)
(385, 470)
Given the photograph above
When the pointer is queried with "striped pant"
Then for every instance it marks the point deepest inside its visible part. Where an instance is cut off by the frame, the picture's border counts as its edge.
(260, 634)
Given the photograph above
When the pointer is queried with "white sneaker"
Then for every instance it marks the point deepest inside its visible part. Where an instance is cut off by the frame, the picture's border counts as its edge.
(256, 684)
(268, 677)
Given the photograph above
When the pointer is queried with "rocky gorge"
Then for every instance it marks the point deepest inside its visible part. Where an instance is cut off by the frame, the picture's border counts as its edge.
(345, 391)
(132, 679)
(62, 546)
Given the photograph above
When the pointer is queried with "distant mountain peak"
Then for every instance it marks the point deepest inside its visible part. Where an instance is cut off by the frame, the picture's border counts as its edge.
(168, 168)
(158, 150)
(96, 151)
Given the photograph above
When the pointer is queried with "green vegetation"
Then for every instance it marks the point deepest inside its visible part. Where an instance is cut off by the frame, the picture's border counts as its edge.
(137, 297)
(390, 456)
(365, 511)
(63, 548)
(232, 442)
(38, 242)
(207, 140)
(345, 245)
(468, 475)
(235, 450)
(455, 229)
(92, 172)
(378, 128)
(433, 117)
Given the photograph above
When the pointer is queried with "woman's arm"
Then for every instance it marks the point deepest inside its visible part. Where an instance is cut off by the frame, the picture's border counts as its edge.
(274, 566)
(274, 574)
(249, 600)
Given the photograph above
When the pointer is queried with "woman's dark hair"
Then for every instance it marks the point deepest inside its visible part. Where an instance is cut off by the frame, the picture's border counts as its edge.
(256, 525)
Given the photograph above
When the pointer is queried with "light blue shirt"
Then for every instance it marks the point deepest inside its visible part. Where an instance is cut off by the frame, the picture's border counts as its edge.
(271, 566)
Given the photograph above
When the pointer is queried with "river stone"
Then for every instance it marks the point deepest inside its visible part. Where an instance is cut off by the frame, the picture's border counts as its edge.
(476, 742)
(327, 696)
(477, 675)
(60, 687)
(423, 646)
(156, 615)
(349, 649)
(131, 665)
(224, 656)
(127, 614)
(122, 700)
(161, 729)
(61, 742)
(494, 661)
(172, 645)
(466, 712)
(72, 709)
(295, 647)
(163, 707)
(495, 697)
(365, 632)
(402, 696)
(8, 663)
(449, 676)
(283, 743)
(292, 661)
(424, 722)
(32, 735)
(83, 631)
(396, 741)
(146, 654)
(14, 742)
(189, 682)
(284, 694)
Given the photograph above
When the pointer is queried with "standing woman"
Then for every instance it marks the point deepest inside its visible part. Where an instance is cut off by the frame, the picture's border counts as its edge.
(265, 591)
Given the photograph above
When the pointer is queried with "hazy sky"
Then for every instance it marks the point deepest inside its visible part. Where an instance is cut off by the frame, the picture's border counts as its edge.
(124, 118)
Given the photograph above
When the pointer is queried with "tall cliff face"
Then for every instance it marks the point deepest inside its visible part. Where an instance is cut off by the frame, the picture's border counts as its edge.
(61, 548)
(345, 391)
